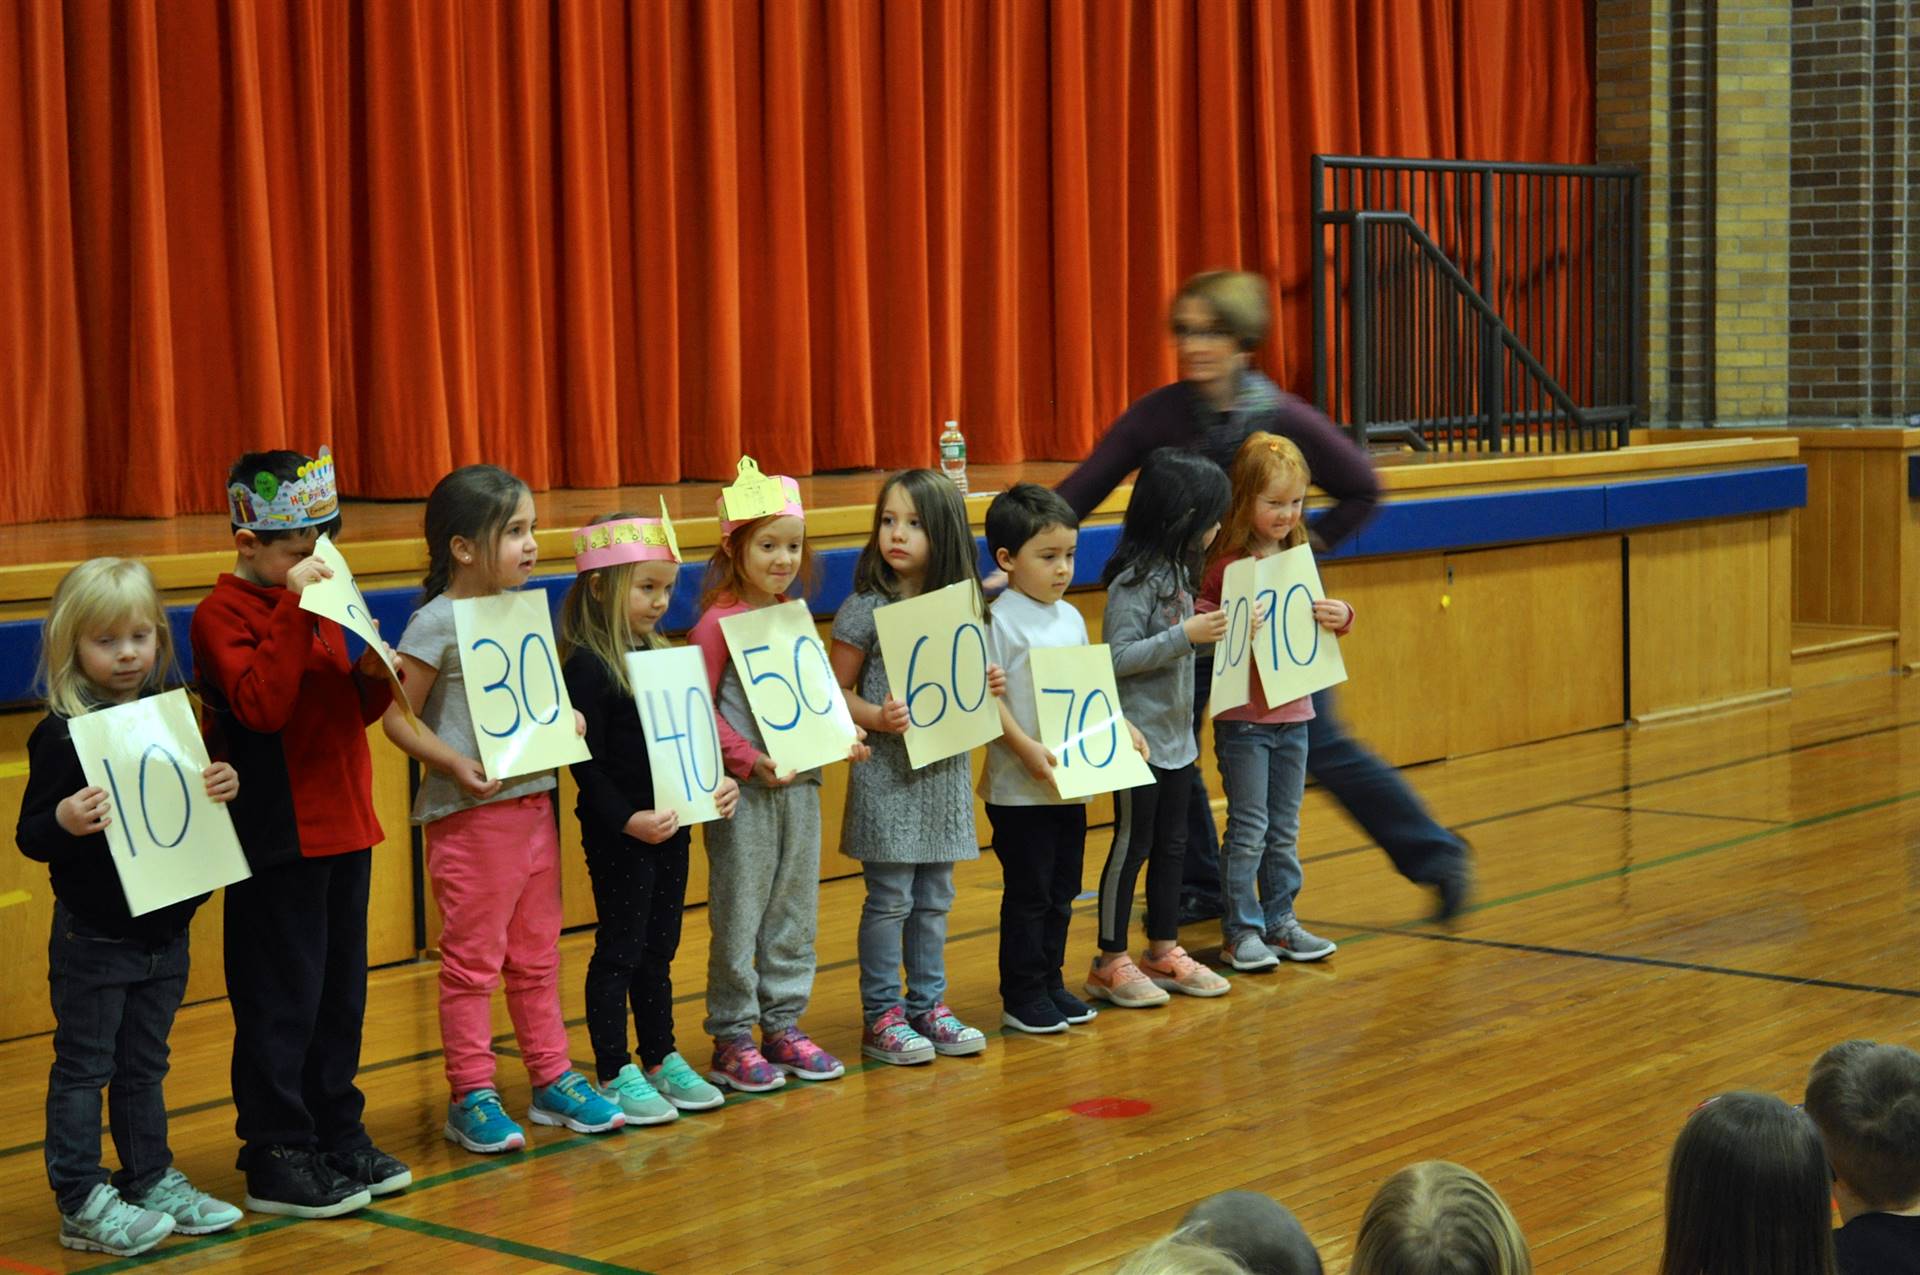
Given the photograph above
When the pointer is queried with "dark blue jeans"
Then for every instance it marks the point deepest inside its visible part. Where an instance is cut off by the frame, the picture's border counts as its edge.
(1373, 793)
(113, 1007)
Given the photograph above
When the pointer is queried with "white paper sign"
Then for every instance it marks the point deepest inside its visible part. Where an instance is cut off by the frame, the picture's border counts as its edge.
(522, 718)
(935, 647)
(339, 599)
(790, 685)
(1295, 655)
(683, 742)
(1231, 654)
(169, 840)
(1080, 721)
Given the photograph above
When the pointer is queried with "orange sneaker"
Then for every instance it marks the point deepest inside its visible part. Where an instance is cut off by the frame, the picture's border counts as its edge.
(1121, 982)
(1175, 971)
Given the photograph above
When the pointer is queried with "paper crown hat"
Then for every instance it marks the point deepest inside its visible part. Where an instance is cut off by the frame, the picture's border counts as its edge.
(757, 495)
(271, 503)
(608, 544)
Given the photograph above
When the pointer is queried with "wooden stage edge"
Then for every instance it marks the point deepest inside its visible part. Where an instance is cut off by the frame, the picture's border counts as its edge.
(187, 553)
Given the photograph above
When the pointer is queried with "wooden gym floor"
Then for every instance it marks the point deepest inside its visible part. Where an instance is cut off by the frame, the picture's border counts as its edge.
(1664, 913)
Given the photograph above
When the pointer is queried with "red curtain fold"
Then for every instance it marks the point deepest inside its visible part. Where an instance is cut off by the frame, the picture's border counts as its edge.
(604, 242)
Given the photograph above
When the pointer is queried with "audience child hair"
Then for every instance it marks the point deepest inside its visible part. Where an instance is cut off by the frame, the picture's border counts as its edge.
(474, 503)
(593, 616)
(1263, 460)
(1865, 1099)
(1177, 499)
(1180, 1255)
(951, 554)
(99, 594)
(1747, 1192)
(1439, 1218)
(1259, 1231)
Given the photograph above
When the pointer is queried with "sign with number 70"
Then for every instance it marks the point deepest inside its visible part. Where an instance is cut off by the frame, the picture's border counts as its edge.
(1080, 721)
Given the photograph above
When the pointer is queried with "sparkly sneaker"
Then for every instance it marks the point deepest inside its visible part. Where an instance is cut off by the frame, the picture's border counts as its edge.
(193, 1211)
(1175, 971)
(479, 1123)
(1071, 1007)
(108, 1224)
(635, 1096)
(383, 1174)
(676, 1081)
(1288, 940)
(738, 1065)
(570, 1102)
(792, 1051)
(949, 1035)
(888, 1039)
(1249, 954)
(1121, 982)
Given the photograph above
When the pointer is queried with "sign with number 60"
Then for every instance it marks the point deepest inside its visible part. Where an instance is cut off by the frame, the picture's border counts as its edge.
(935, 648)
(683, 742)
(522, 719)
(169, 840)
(781, 662)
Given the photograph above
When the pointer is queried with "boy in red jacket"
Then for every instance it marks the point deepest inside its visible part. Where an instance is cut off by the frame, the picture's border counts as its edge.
(288, 710)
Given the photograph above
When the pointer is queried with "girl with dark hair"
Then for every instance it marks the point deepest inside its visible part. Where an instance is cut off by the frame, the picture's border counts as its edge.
(1748, 1192)
(493, 849)
(906, 827)
(1152, 631)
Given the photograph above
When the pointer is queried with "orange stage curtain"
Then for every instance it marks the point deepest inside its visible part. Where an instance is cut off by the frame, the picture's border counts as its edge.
(603, 242)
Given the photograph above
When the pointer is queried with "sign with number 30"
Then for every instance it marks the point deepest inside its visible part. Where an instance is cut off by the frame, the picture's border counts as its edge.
(522, 718)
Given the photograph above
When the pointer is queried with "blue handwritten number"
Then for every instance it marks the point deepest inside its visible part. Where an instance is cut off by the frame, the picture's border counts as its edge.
(807, 642)
(1236, 646)
(553, 678)
(1066, 720)
(700, 708)
(146, 815)
(746, 657)
(1273, 622)
(918, 692)
(1113, 733)
(682, 740)
(1285, 608)
(675, 737)
(506, 674)
(953, 672)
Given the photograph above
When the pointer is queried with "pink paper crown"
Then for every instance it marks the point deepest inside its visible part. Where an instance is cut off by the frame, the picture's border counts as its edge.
(754, 495)
(608, 544)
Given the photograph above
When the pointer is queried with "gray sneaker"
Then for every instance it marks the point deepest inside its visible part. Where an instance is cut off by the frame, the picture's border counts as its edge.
(193, 1211)
(1250, 953)
(108, 1224)
(1288, 940)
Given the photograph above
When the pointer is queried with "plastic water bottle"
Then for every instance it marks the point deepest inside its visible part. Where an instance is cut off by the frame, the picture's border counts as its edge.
(953, 455)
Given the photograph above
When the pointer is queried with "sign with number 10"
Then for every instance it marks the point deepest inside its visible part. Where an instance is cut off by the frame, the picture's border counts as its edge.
(522, 718)
(169, 840)
(781, 662)
(1080, 721)
(683, 743)
(935, 648)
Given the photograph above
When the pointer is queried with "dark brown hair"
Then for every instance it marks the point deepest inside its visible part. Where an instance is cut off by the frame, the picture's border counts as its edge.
(1865, 1098)
(1747, 1192)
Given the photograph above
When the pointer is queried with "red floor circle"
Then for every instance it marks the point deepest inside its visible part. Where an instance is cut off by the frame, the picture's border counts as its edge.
(1111, 1108)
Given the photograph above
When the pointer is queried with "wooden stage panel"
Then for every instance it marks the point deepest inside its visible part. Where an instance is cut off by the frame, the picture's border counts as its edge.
(1665, 912)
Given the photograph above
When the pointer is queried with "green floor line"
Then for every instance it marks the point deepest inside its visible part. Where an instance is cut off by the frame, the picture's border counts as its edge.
(168, 1251)
(513, 1248)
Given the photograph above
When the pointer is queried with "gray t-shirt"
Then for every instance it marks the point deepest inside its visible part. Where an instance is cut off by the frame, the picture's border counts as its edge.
(430, 638)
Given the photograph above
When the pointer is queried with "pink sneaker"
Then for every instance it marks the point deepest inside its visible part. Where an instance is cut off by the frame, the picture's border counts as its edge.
(949, 1035)
(888, 1039)
(793, 1052)
(1175, 971)
(1121, 982)
(738, 1065)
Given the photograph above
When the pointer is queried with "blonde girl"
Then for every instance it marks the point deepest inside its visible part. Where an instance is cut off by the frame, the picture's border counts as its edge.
(115, 979)
(1262, 748)
(763, 874)
(636, 853)
(493, 854)
(906, 827)
(1438, 1218)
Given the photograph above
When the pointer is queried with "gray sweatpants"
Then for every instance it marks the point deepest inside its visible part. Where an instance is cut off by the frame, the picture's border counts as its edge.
(763, 905)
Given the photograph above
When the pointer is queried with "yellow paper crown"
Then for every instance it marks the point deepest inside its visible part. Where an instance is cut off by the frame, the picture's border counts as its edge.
(756, 495)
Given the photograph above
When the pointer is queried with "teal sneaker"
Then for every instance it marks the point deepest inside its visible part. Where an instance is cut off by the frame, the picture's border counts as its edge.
(676, 1081)
(108, 1224)
(193, 1211)
(636, 1098)
(479, 1123)
(572, 1103)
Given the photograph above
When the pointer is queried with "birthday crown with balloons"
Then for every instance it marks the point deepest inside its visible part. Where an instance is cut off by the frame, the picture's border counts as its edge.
(271, 503)
(608, 544)
(756, 495)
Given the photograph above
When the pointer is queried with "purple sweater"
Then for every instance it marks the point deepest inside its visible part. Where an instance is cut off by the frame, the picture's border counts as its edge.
(1176, 416)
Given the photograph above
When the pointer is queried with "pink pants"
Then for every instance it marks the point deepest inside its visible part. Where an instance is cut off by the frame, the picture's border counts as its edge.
(496, 876)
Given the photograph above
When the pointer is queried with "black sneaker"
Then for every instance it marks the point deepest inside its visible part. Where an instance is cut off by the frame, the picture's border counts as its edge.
(1196, 908)
(1456, 887)
(1037, 1016)
(1071, 1007)
(297, 1182)
(381, 1173)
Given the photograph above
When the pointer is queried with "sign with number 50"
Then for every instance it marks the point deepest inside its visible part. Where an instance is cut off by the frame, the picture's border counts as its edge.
(781, 662)
(935, 648)
(522, 718)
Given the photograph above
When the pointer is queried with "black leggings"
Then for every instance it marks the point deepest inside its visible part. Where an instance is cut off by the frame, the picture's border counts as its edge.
(1150, 827)
(640, 893)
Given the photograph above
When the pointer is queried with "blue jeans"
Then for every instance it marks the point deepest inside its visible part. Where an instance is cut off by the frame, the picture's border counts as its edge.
(1264, 768)
(113, 1006)
(904, 920)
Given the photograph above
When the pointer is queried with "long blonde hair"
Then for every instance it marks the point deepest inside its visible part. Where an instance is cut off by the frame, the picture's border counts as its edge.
(593, 617)
(1438, 1217)
(1262, 459)
(100, 591)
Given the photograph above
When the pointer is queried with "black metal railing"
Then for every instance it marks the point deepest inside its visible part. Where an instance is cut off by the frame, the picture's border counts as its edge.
(1477, 306)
